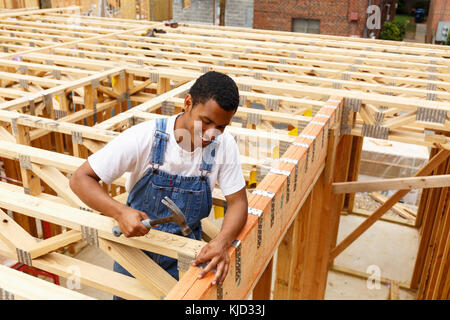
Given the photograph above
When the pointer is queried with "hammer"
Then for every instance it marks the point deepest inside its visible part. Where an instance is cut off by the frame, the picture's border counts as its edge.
(177, 217)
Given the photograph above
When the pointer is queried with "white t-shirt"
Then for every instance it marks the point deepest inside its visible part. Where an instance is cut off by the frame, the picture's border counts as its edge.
(131, 152)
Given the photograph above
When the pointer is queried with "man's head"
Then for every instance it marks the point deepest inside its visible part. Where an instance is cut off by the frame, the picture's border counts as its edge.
(209, 106)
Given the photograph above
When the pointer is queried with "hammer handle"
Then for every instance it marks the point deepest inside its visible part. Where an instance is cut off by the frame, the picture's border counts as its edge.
(117, 232)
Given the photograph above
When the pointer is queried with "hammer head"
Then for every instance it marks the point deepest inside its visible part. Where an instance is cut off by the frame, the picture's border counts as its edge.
(178, 216)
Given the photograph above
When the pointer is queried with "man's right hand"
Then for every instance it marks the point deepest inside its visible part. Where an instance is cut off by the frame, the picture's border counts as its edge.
(130, 224)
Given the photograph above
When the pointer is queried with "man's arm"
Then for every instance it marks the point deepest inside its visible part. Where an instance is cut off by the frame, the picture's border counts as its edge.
(216, 251)
(84, 183)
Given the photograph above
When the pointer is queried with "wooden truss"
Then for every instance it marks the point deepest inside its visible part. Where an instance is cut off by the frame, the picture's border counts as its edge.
(71, 83)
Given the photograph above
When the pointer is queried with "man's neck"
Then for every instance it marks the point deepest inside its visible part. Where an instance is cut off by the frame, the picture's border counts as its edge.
(180, 124)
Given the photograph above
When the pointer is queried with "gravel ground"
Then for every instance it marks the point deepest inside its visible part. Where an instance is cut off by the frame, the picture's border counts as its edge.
(364, 201)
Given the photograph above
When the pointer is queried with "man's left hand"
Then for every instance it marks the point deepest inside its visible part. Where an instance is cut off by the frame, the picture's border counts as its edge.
(216, 252)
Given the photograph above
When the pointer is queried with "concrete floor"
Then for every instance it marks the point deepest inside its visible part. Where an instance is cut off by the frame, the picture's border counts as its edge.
(386, 247)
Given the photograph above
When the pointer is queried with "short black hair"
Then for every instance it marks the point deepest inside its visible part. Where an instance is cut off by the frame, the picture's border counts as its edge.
(217, 86)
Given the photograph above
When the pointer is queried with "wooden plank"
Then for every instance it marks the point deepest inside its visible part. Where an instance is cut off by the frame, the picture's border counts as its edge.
(155, 241)
(24, 286)
(437, 181)
(140, 266)
(13, 235)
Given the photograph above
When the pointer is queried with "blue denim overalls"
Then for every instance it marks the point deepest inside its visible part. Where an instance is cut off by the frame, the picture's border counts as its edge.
(191, 194)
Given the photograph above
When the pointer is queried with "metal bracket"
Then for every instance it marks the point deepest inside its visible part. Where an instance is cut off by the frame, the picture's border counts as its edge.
(337, 85)
(431, 115)
(77, 137)
(238, 245)
(254, 118)
(278, 171)
(59, 113)
(90, 235)
(154, 77)
(270, 195)
(48, 102)
(295, 171)
(205, 69)
(94, 83)
(219, 292)
(25, 162)
(184, 262)
(245, 87)
(258, 213)
(273, 104)
(242, 100)
(57, 74)
(23, 83)
(353, 104)
(307, 136)
(6, 295)
(23, 69)
(23, 256)
(257, 75)
(377, 132)
(14, 127)
(168, 108)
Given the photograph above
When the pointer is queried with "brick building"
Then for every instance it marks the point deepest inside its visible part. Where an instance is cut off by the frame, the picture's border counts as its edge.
(439, 11)
(236, 13)
(332, 17)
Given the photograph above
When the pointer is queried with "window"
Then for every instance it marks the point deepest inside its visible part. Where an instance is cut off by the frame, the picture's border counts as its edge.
(306, 25)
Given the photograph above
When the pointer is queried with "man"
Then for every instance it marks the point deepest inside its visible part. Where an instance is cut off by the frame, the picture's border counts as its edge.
(181, 157)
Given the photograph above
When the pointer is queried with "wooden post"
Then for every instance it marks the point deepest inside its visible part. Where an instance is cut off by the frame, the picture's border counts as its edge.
(262, 290)
(31, 183)
(355, 160)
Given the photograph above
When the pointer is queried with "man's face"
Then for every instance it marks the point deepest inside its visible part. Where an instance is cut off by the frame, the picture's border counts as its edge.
(205, 122)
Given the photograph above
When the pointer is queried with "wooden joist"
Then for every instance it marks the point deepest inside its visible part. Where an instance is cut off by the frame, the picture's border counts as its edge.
(438, 181)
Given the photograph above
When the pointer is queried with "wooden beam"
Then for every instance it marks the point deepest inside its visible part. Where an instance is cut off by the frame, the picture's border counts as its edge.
(155, 241)
(24, 286)
(140, 266)
(438, 181)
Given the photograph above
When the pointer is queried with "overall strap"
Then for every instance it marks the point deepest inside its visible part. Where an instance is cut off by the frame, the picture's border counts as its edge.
(159, 142)
(208, 157)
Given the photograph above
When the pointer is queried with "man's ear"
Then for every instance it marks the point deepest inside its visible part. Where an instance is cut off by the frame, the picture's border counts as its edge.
(188, 103)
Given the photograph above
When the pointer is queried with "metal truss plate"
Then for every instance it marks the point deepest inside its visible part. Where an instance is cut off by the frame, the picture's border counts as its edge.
(23, 257)
(238, 245)
(353, 104)
(6, 295)
(90, 235)
(431, 115)
(184, 262)
(377, 132)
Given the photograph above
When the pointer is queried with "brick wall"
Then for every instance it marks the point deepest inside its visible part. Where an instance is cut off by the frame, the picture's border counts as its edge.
(439, 11)
(334, 15)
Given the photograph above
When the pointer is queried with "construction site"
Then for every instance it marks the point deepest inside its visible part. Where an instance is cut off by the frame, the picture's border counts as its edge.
(344, 144)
